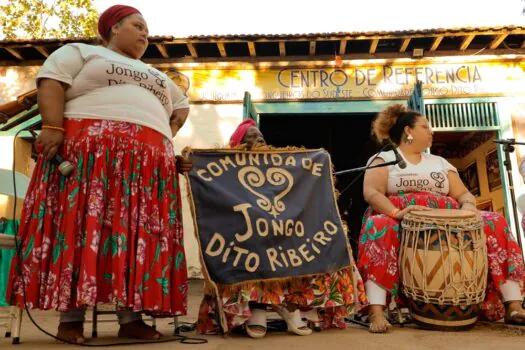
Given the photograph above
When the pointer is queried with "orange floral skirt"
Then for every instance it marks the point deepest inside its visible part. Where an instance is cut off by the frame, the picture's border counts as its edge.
(334, 295)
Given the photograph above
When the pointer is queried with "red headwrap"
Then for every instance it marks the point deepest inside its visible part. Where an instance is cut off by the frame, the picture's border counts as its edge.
(112, 16)
(239, 133)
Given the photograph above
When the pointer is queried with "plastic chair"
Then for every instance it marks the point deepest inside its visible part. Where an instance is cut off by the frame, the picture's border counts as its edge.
(11, 318)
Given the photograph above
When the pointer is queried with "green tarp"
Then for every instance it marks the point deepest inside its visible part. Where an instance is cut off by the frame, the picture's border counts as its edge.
(6, 255)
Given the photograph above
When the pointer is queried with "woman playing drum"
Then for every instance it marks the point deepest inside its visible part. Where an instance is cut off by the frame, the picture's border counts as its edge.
(428, 181)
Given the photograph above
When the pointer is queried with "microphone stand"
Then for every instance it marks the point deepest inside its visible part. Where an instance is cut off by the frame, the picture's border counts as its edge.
(364, 168)
(355, 320)
(508, 147)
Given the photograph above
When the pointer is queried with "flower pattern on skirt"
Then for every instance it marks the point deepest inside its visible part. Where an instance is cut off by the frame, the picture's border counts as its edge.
(334, 295)
(380, 241)
(109, 232)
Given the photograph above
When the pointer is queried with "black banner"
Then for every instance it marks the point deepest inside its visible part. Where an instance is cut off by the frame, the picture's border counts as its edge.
(266, 214)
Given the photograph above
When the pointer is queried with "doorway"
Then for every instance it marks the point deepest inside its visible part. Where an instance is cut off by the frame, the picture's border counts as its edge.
(346, 136)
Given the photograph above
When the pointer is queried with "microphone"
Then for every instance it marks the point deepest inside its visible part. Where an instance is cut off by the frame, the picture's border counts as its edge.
(400, 161)
(64, 166)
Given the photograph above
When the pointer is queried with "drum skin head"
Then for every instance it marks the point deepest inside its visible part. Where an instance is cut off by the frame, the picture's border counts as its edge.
(443, 214)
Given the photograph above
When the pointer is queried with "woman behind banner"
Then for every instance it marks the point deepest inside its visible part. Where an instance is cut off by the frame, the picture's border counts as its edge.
(387, 190)
(332, 296)
(112, 230)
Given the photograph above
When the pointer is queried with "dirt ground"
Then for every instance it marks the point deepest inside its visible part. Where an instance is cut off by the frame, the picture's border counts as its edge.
(483, 336)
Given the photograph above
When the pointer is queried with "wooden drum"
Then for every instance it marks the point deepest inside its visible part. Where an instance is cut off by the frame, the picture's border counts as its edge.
(443, 267)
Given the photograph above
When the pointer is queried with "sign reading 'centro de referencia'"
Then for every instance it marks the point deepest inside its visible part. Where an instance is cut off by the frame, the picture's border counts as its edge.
(264, 215)
(359, 82)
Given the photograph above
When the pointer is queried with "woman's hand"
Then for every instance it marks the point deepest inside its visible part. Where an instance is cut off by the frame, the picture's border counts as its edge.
(48, 142)
(470, 207)
(401, 214)
(184, 165)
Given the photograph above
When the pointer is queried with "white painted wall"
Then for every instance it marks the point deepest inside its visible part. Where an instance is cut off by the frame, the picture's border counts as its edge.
(207, 126)
(15, 81)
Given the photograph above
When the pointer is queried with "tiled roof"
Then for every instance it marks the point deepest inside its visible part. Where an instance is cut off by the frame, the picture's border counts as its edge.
(234, 37)
(306, 46)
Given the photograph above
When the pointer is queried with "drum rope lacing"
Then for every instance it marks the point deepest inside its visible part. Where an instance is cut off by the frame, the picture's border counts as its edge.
(466, 289)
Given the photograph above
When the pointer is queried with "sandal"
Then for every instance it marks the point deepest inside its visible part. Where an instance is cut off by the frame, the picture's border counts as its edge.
(138, 330)
(256, 325)
(293, 320)
(312, 318)
(515, 319)
(71, 332)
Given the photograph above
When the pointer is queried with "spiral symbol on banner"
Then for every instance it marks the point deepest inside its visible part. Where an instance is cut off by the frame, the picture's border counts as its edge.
(279, 177)
(252, 177)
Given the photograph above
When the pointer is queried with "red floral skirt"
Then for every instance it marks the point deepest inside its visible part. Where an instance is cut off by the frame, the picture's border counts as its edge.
(109, 232)
(380, 240)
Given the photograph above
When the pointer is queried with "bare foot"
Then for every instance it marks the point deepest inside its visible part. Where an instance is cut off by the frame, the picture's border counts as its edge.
(515, 313)
(138, 330)
(72, 332)
(378, 322)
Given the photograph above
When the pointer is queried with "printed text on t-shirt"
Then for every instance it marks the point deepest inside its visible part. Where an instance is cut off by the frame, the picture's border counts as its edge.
(125, 75)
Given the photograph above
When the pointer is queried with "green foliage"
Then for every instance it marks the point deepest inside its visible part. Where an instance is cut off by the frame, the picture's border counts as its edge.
(39, 19)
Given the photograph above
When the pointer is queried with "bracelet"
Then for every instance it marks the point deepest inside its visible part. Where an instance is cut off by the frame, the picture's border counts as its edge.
(53, 128)
(393, 213)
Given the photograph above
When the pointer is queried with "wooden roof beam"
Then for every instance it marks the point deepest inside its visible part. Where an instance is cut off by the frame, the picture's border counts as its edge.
(282, 48)
(274, 38)
(15, 53)
(404, 45)
(43, 51)
(251, 48)
(523, 44)
(466, 42)
(312, 47)
(436, 43)
(162, 49)
(222, 49)
(342, 47)
(192, 50)
(373, 46)
(497, 41)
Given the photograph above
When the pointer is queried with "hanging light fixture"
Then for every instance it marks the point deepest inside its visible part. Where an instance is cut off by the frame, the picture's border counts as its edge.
(338, 60)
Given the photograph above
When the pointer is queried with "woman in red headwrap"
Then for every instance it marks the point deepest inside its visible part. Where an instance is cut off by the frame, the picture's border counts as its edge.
(248, 134)
(329, 298)
(111, 231)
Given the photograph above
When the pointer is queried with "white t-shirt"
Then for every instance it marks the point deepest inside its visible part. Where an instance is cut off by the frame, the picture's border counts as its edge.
(522, 169)
(106, 85)
(429, 175)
